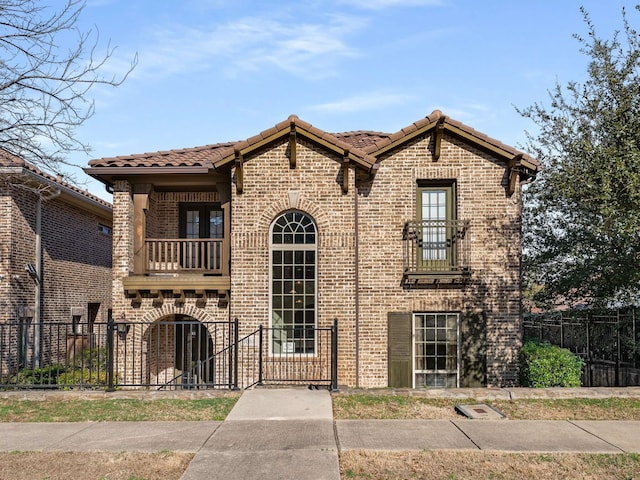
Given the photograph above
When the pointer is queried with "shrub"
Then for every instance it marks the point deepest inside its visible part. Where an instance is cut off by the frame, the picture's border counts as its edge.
(89, 370)
(84, 378)
(38, 376)
(545, 365)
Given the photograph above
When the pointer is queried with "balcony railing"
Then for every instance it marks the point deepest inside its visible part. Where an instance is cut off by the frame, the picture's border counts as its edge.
(197, 255)
(436, 250)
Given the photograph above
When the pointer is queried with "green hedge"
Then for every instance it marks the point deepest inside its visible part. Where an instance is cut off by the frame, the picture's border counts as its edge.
(545, 365)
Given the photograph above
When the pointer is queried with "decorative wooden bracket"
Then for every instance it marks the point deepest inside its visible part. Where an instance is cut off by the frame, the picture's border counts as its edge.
(223, 298)
(439, 132)
(513, 173)
(293, 156)
(201, 301)
(239, 172)
(136, 301)
(158, 298)
(179, 296)
(345, 172)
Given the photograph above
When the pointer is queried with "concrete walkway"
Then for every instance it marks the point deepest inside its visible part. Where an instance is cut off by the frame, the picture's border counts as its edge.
(272, 433)
(291, 434)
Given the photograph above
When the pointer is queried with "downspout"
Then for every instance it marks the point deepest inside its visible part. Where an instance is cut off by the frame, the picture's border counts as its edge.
(37, 314)
(357, 282)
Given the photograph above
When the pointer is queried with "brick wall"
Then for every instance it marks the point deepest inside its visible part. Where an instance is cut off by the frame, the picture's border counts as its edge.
(493, 292)
(360, 260)
(75, 268)
(383, 205)
(271, 187)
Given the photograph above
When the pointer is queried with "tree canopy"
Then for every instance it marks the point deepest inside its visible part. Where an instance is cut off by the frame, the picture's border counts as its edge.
(47, 67)
(581, 220)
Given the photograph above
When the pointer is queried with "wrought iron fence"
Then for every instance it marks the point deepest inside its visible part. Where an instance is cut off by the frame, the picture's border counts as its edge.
(164, 355)
(608, 342)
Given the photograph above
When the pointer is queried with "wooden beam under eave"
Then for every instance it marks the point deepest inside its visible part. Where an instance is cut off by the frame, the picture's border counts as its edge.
(439, 133)
(293, 156)
(345, 172)
(239, 173)
(514, 174)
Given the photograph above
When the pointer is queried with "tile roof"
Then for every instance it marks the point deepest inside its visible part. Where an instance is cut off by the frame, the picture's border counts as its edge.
(8, 160)
(361, 138)
(186, 157)
(362, 144)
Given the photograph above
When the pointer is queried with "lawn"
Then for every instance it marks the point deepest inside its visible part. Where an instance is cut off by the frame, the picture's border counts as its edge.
(368, 406)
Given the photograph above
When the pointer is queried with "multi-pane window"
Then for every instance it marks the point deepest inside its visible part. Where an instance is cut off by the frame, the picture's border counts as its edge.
(436, 350)
(293, 284)
(436, 213)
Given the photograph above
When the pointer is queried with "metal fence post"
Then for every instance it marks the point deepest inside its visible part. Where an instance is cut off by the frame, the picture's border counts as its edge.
(334, 356)
(618, 350)
(235, 353)
(260, 378)
(110, 329)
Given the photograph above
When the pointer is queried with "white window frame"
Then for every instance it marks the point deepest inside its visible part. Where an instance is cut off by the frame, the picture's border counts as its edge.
(414, 369)
(294, 248)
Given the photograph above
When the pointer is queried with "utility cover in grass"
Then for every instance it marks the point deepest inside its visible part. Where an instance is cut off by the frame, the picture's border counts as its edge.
(480, 411)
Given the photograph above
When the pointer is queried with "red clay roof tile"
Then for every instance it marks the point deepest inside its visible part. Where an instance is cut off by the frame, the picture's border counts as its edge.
(362, 144)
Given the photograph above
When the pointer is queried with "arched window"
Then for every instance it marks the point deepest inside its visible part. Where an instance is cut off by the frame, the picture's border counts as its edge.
(293, 284)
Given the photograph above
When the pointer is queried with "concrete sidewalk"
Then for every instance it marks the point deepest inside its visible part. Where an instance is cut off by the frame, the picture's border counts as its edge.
(291, 434)
(275, 434)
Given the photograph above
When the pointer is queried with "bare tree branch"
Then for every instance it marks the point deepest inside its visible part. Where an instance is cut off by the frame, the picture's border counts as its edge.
(44, 87)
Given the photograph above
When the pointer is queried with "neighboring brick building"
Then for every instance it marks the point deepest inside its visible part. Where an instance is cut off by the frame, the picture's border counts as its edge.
(55, 263)
(410, 240)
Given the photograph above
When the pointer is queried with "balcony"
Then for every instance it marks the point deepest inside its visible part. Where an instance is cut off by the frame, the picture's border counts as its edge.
(436, 252)
(193, 255)
(173, 266)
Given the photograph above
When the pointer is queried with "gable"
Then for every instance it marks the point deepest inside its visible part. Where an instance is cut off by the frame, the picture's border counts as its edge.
(361, 149)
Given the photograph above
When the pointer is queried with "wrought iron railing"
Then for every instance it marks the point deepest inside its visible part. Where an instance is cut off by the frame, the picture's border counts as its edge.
(163, 355)
(167, 255)
(433, 247)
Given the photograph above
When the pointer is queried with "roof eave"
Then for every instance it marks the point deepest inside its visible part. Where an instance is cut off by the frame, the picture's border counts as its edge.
(77, 197)
(282, 130)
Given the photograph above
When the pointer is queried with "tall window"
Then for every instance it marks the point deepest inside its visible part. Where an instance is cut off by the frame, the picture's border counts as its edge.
(436, 350)
(436, 212)
(293, 284)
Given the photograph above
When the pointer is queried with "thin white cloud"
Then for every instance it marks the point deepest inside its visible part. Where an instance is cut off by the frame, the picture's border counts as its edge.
(467, 112)
(303, 49)
(366, 102)
(381, 4)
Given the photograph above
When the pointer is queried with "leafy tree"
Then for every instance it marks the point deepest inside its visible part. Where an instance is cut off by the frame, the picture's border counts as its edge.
(582, 215)
(44, 82)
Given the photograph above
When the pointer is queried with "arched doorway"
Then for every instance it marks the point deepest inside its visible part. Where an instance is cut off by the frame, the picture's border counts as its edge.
(180, 353)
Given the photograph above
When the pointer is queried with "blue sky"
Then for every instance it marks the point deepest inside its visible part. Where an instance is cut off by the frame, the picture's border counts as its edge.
(217, 70)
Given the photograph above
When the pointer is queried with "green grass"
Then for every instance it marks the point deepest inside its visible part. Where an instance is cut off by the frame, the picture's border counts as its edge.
(376, 406)
(117, 410)
(363, 406)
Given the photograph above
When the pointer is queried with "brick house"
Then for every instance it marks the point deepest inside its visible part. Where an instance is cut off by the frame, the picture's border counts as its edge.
(55, 264)
(410, 240)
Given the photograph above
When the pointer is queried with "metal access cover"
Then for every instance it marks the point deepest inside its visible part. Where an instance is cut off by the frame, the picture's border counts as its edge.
(480, 411)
